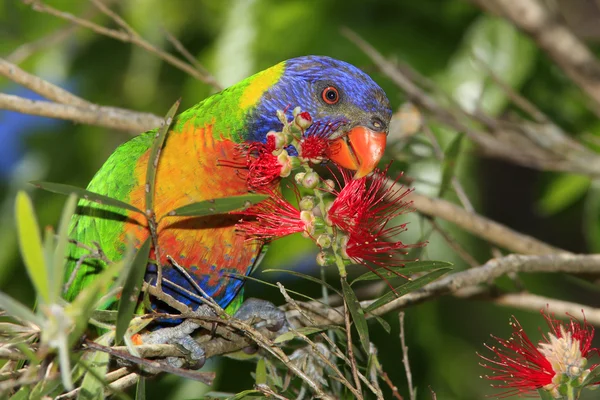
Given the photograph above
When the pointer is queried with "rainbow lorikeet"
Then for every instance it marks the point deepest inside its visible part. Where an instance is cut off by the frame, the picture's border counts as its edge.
(192, 168)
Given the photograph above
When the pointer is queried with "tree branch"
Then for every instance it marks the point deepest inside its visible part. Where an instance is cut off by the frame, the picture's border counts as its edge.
(39, 85)
(570, 263)
(555, 38)
(108, 117)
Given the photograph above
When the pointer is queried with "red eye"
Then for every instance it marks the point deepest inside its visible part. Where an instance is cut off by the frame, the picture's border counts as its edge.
(330, 95)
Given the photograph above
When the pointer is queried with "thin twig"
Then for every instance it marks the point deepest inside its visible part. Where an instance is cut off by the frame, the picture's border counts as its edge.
(126, 37)
(564, 47)
(391, 385)
(412, 393)
(336, 351)
(458, 249)
(350, 350)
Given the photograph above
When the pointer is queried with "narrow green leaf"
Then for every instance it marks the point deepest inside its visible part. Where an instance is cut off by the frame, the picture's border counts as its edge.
(593, 377)
(246, 395)
(304, 276)
(22, 394)
(261, 372)
(18, 310)
(140, 389)
(44, 387)
(131, 289)
(357, 313)
(307, 330)
(545, 395)
(410, 268)
(92, 388)
(562, 192)
(218, 206)
(384, 324)
(449, 163)
(157, 145)
(49, 245)
(95, 365)
(85, 303)
(61, 188)
(57, 273)
(30, 243)
(406, 288)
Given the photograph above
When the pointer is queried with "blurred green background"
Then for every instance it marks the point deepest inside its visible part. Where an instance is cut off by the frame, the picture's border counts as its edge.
(235, 38)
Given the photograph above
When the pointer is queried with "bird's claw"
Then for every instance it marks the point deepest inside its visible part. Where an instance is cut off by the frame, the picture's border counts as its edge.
(270, 316)
(179, 335)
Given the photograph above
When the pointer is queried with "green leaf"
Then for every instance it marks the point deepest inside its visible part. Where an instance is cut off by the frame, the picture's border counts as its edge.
(30, 243)
(157, 144)
(406, 288)
(357, 313)
(563, 192)
(22, 394)
(131, 289)
(489, 43)
(18, 310)
(304, 276)
(244, 395)
(140, 389)
(61, 188)
(545, 395)
(594, 376)
(384, 324)
(449, 163)
(411, 268)
(591, 218)
(261, 372)
(85, 303)
(307, 330)
(57, 274)
(96, 366)
(218, 206)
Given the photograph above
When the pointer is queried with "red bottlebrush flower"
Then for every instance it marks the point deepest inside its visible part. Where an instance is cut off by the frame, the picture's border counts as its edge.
(275, 218)
(561, 356)
(364, 209)
(263, 167)
(315, 147)
(367, 204)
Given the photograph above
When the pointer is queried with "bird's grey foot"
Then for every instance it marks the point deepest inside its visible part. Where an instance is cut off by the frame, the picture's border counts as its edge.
(179, 335)
(266, 313)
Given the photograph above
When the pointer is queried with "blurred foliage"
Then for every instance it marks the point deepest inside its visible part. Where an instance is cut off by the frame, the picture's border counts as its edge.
(442, 39)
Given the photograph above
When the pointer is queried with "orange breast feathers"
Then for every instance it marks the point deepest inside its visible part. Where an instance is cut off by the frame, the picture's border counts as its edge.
(189, 172)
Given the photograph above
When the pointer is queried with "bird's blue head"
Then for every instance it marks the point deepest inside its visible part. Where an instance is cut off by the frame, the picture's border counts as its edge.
(339, 97)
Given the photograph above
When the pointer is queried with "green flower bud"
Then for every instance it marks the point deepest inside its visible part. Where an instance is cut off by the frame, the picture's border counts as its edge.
(325, 259)
(309, 223)
(307, 203)
(298, 177)
(310, 180)
(324, 241)
(343, 242)
(286, 163)
(282, 118)
(329, 184)
(297, 110)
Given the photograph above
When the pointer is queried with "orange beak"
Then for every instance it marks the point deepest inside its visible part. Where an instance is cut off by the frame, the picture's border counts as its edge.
(360, 150)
